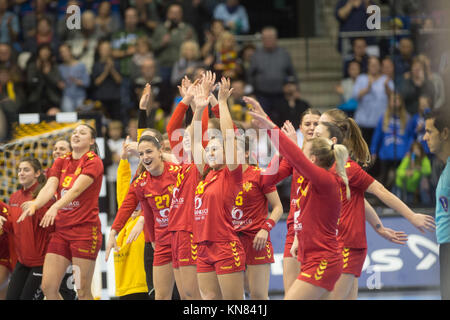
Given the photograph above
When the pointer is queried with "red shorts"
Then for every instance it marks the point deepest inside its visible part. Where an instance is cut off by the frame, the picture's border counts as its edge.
(324, 273)
(184, 251)
(221, 257)
(162, 255)
(253, 257)
(81, 241)
(289, 241)
(353, 260)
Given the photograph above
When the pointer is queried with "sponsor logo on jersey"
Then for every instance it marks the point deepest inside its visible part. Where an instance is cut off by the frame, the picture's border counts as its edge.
(444, 203)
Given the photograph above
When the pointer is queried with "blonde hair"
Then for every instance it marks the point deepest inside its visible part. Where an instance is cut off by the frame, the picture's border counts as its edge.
(223, 36)
(328, 153)
(186, 45)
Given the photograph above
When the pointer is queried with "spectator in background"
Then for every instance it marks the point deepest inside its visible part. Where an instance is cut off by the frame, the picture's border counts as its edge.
(106, 80)
(124, 47)
(416, 125)
(9, 24)
(352, 16)
(345, 89)
(245, 58)
(270, 66)
(391, 139)
(76, 80)
(238, 107)
(404, 58)
(44, 83)
(359, 55)
(84, 42)
(234, 15)
(5, 125)
(226, 57)
(211, 37)
(371, 92)
(62, 31)
(147, 74)
(29, 21)
(44, 35)
(8, 61)
(197, 15)
(436, 80)
(388, 69)
(11, 91)
(106, 22)
(143, 51)
(292, 106)
(189, 60)
(167, 40)
(415, 85)
(148, 16)
(412, 176)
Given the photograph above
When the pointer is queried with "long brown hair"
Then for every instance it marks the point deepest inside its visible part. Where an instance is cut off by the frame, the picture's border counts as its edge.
(353, 138)
(42, 179)
(391, 112)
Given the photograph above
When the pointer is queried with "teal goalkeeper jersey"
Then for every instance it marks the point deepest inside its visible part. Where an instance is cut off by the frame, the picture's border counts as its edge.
(442, 214)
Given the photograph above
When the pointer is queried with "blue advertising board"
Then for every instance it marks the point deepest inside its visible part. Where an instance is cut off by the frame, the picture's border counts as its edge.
(387, 265)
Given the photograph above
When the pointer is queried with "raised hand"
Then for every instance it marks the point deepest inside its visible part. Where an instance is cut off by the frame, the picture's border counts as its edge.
(260, 121)
(200, 99)
(208, 82)
(289, 130)
(185, 84)
(225, 89)
(145, 102)
(254, 105)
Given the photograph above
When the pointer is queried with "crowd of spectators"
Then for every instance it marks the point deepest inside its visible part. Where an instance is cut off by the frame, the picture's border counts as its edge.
(47, 67)
(389, 84)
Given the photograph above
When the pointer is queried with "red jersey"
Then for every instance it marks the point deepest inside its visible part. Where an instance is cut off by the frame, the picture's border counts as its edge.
(83, 209)
(214, 200)
(352, 223)
(155, 194)
(125, 211)
(8, 255)
(251, 206)
(181, 214)
(30, 240)
(320, 208)
(175, 123)
(298, 183)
